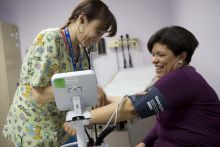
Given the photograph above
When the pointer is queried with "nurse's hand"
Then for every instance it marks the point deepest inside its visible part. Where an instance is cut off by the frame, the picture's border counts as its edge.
(140, 145)
(69, 129)
(102, 98)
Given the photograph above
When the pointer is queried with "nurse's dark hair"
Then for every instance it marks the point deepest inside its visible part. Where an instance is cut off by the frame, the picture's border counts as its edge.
(95, 9)
(177, 39)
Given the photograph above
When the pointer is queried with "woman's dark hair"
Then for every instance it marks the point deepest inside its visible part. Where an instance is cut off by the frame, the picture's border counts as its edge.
(95, 9)
(177, 39)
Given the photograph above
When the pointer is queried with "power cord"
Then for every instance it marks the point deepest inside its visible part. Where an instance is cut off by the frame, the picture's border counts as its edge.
(108, 129)
(90, 139)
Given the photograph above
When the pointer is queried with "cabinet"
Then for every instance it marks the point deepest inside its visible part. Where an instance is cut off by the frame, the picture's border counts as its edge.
(10, 64)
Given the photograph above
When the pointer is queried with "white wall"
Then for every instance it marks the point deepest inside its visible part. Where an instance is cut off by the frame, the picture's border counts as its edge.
(139, 18)
(202, 18)
(32, 16)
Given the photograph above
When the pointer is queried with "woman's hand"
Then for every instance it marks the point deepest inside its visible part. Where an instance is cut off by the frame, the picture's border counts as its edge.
(69, 129)
(140, 145)
(42, 95)
(102, 98)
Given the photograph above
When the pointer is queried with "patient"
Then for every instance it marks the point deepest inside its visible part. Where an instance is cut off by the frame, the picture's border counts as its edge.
(186, 107)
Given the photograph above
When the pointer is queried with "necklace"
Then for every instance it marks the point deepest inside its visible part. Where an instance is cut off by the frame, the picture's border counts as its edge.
(71, 50)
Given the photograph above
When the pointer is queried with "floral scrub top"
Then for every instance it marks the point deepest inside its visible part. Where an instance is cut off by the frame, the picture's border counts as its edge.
(30, 124)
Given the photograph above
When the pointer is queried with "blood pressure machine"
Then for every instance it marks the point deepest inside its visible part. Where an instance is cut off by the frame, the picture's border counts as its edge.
(76, 92)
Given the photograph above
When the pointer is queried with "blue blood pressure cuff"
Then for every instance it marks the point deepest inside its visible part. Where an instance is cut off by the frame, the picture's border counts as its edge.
(150, 103)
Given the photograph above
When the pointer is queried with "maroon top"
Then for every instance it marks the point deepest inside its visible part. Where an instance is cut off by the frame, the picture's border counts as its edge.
(193, 115)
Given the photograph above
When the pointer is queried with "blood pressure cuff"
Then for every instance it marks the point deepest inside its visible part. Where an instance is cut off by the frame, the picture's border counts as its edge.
(151, 103)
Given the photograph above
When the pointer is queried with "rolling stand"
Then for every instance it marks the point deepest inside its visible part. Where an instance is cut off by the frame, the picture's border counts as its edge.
(78, 120)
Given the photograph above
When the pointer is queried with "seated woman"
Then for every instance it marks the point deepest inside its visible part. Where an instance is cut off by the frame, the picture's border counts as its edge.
(186, 107)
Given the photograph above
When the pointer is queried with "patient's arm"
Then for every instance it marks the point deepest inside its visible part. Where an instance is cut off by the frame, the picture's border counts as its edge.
(126, 111)
(103, 114)
(113, 99)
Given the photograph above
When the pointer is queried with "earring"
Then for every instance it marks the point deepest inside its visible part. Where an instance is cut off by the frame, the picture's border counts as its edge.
(180, 62)
(81, 28)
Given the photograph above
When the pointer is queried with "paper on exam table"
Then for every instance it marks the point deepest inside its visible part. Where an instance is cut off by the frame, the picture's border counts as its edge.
(130, 81)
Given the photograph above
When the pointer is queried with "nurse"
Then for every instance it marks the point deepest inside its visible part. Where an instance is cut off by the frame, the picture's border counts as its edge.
(33, 119)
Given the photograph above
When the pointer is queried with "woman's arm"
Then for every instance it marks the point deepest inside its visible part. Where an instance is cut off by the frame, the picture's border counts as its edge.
(42, 95)
(103, 114)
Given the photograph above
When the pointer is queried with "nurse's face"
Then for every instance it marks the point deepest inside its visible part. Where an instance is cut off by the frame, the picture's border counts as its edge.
(163, 59)
(92, 33)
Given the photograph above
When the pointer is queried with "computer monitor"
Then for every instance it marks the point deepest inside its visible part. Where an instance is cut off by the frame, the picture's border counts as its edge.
(78, 83)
